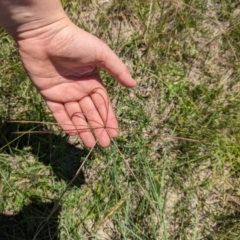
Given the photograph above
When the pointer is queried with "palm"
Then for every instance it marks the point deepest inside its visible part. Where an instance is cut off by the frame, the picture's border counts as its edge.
(64, 70)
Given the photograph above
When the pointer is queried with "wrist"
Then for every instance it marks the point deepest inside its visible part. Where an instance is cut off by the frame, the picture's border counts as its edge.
(25, 18)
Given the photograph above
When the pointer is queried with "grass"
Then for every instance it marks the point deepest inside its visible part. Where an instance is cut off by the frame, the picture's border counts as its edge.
(173, 173)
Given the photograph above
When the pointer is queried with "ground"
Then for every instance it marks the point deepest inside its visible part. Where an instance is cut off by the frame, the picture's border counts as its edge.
(173, 173)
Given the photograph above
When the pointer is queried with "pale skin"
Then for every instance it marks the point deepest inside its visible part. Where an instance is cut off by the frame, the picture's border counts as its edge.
(62, 61)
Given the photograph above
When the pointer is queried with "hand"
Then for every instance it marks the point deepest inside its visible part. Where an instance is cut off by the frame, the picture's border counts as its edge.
(63, 65)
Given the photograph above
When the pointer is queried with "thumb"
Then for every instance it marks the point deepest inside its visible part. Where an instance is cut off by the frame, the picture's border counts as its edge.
(110, 62)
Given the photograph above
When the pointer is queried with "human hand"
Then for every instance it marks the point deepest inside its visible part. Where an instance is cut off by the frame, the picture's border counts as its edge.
(62, 61)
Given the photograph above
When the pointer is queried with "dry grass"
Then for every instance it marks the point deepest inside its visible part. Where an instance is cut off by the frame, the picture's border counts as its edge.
(174, 171)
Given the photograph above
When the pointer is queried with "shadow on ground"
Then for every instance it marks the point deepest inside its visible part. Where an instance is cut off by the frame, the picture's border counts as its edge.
(51, 149)
(31, 223)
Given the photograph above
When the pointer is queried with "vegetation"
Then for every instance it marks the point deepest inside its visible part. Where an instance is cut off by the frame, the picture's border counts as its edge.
(174, 171)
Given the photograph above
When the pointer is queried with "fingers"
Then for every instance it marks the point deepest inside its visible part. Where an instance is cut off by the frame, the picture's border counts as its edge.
(60, 114)
(62, 117)
(109, 61)
(102, 104)
(92, 114)
(95, 121)
(82, 128)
